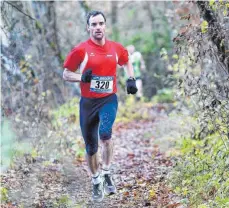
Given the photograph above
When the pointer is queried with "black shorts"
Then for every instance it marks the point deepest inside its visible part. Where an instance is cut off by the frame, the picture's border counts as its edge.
(97, 116)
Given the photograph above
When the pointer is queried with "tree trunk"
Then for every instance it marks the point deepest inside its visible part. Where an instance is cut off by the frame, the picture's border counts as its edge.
(215, 31)
(115, 32)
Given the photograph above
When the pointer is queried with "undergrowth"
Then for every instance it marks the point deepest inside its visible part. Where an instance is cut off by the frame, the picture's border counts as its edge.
(201, 173)
(132, 110)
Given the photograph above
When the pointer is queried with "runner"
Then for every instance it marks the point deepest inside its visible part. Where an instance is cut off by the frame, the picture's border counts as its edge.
(95, 61)
(139, 66)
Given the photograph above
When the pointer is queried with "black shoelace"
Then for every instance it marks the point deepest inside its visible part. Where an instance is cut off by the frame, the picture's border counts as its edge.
(96, 188)
(108, 180)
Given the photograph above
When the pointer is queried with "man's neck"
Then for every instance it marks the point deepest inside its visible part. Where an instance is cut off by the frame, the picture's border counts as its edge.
(98, 42)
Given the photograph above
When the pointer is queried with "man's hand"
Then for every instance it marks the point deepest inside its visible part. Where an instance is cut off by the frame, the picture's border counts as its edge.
(131, 86)
(86, 76)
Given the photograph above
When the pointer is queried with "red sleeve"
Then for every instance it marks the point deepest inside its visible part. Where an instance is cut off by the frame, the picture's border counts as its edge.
(74, 58)
(123, 56)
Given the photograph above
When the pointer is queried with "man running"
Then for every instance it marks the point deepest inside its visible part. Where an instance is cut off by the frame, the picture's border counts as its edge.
(96, 60)
(139, 66)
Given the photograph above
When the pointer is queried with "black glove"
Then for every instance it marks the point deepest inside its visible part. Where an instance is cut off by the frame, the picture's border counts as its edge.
(131, 86)
(86, 76)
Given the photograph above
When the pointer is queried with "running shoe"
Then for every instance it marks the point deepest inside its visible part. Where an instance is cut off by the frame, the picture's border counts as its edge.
(98, 192)
(109, 186)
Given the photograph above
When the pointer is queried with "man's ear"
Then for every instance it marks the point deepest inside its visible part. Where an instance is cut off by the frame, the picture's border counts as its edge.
(88, 28)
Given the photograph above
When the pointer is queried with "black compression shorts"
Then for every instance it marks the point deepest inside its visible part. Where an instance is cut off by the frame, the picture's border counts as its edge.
(97, 116)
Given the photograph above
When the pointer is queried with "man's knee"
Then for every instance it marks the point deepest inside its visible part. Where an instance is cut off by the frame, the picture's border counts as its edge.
(106, 143)
(91, 149)
(105, 135)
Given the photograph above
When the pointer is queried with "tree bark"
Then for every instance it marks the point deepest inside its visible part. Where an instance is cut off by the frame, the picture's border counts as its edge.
(54, 44)
(226, 25)
(215, 31)
(84, 6)
(114, 10)
(152, 19)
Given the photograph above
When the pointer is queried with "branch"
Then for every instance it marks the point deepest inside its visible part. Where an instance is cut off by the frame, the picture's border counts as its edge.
(215, 32)
(152, 18)
(4, 32)
(58, 51)
(20, 10)
(84, 6)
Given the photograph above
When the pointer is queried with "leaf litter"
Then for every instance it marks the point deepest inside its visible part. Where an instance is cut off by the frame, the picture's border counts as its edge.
(140, 171)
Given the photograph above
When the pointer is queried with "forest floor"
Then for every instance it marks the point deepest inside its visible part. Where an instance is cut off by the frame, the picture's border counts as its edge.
(141, 166)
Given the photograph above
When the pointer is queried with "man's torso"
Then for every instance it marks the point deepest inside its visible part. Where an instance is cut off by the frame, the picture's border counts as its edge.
(102, 60)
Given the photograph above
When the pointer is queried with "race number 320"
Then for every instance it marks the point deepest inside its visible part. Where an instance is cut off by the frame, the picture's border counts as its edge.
(102, 84)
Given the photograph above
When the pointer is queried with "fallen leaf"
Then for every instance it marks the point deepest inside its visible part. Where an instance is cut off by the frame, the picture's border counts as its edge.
(126, 193)
(173, 205)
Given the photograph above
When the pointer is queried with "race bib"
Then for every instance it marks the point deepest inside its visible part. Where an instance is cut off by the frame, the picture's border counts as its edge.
(102, 84)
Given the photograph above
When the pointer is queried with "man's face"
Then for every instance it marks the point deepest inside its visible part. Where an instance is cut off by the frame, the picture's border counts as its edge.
(97, 27)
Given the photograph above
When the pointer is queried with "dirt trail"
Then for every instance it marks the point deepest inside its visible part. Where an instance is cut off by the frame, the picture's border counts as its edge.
(139, 168)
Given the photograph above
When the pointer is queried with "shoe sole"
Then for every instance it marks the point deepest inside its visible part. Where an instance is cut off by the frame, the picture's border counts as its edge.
(110, 193)
(97, 200)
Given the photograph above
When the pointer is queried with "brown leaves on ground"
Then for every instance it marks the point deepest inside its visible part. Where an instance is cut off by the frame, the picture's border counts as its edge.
(142, 168)
(140, 172)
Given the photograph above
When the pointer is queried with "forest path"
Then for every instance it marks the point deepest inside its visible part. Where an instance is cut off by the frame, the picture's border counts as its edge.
(140, 169)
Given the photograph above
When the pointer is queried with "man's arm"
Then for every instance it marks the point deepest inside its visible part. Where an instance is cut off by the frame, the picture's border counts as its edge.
(131, 82)
(129, 69)
(143, 66)
(71, 76)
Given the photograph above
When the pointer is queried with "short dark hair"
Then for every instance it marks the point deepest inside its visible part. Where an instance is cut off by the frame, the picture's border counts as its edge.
(94, 13)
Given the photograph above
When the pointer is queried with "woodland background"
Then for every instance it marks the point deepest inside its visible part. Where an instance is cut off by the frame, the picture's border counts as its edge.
(186, 88)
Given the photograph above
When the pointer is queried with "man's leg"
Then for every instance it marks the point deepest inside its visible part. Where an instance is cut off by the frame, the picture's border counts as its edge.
(91, 143)
(107, 152)
(139, 93)
(93, 163)
(107, 155)
(107, 116)
(89, 127)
